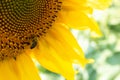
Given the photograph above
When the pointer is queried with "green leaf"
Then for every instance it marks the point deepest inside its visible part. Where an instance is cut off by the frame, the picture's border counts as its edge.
(115, 59)
(92, 72)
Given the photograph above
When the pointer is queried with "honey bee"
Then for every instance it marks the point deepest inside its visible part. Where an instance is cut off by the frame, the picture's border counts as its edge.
(34, 43)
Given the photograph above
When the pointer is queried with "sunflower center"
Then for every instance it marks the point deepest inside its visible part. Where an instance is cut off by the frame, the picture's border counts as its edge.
(22, 21)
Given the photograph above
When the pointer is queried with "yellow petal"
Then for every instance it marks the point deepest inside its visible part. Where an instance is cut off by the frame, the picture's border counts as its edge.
(20, 69)
(27, 68)
(79, 5)
(81, 20)
(59, 50)
(99, 4)
(65, 43)
(53, 62)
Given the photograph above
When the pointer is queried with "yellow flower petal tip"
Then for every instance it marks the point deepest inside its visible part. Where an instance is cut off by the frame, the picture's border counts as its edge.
(41, 30)
(100, 4)
(96, 35)
(91, 61)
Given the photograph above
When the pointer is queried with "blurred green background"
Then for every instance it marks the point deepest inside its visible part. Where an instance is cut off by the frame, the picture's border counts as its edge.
(105, 50)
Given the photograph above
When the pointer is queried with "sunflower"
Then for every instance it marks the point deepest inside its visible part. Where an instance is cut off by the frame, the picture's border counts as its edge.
(40, 30)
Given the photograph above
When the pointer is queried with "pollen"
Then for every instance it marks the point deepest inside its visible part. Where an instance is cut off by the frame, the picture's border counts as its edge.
(22, 22)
